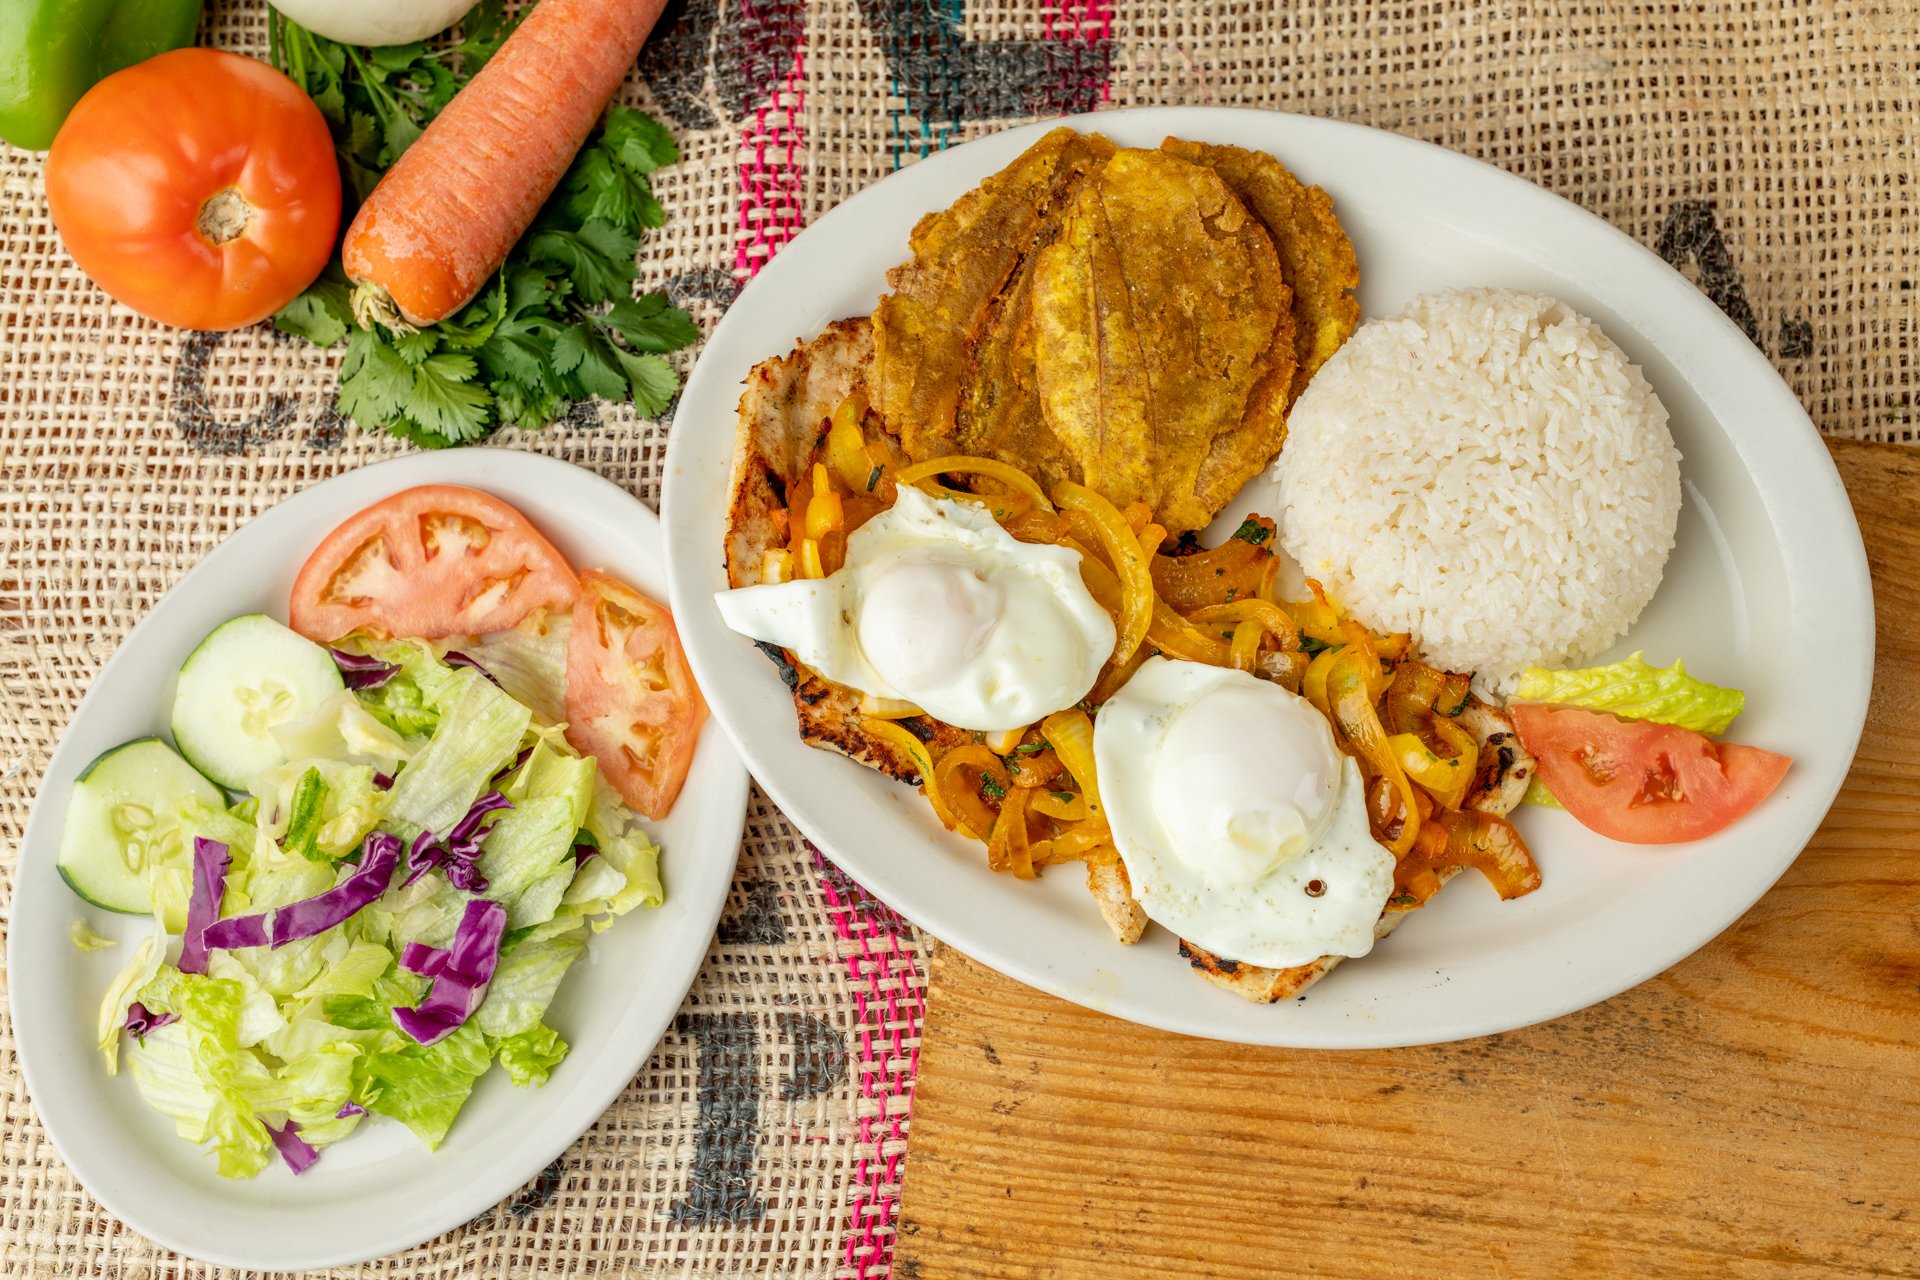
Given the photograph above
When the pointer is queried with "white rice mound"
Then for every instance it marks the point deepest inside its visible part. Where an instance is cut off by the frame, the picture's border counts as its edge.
(1488, 472)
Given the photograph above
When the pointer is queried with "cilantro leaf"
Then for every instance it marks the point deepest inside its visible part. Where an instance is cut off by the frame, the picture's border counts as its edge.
(434, 396)
(374, 380)
(560, 324)
(445, 402)
(1251, 530)
(641, 142)
(597, 188)
(648, 323)
(322, 315)
(598, 256)
(651, 380)
(586, 360)
(396, 57)
(482, 32)
(415, 347)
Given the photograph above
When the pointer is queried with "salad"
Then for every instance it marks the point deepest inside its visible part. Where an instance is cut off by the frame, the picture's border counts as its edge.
(373, 851)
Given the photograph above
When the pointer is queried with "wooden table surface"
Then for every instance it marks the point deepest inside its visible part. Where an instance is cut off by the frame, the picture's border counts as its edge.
(1752, 1112)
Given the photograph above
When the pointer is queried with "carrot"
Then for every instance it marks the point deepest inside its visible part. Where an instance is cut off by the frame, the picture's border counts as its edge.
(443, 219)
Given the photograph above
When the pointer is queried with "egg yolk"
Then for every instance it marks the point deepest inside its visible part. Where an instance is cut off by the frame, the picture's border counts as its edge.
(922, 619)
(1243, 785)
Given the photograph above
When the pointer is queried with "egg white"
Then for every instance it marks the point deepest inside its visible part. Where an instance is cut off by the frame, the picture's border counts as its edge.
(1246, 900)
(939, 606)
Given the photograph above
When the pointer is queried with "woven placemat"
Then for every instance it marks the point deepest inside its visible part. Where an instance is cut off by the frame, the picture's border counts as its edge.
(1768, 150)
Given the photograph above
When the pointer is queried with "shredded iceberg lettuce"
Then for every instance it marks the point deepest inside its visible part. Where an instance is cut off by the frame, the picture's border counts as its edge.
(479, 730)
(530, 662)
(290, 1037)
(530, 1057)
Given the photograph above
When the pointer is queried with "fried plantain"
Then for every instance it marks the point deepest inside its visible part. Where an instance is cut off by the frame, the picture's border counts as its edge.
(1156, 314)
(941, 307)
(1315, 252)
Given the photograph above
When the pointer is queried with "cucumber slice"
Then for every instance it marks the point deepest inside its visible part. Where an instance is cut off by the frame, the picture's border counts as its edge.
(120, 822)
(247, 676)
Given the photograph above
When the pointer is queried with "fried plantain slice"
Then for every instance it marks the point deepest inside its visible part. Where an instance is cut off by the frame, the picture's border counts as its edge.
(1315, 253)
(941, 306)
(1155, 316)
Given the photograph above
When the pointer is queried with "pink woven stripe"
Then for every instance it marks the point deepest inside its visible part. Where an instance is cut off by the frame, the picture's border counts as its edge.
(888, 1004)
(1081, 22)
(772, 186)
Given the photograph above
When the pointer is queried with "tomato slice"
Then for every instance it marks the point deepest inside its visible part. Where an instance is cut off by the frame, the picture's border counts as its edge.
(1645, 783)
(631, 701)
(437, 560)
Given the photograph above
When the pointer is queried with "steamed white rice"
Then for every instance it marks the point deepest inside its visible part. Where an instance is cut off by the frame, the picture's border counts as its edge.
(1488, 472)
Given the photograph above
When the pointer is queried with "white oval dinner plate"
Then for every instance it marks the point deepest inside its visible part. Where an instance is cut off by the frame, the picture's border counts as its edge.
(1768, 571)
(380, 1190)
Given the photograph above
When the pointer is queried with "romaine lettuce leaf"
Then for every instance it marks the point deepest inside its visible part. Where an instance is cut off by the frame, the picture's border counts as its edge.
(424, 1086)
(310, 1090)
(349, 968)
(1634, 689)
(347, 807)
(170, 882)
(259, 1012)
(552, 769)
(530, 1057)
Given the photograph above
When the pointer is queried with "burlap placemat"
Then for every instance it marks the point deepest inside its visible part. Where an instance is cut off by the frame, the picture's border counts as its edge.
(1767, 149)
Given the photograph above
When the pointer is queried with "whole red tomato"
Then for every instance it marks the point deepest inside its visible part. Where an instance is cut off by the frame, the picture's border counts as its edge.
(198, 187)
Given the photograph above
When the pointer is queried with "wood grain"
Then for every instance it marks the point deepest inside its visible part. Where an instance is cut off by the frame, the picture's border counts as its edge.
(1752, 1112)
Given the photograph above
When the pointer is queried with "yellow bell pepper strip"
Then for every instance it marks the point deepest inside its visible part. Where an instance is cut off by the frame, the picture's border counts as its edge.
(915, 750)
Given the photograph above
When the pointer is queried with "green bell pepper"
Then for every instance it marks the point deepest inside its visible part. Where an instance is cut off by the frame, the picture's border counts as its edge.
(52, 51)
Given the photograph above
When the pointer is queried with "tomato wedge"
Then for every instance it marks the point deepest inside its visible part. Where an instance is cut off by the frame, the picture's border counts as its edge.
(631, 701)
(437, 560)
(1645, 783)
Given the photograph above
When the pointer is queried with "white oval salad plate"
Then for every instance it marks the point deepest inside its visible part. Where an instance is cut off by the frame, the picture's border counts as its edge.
(379, 1189)
(1768, 572)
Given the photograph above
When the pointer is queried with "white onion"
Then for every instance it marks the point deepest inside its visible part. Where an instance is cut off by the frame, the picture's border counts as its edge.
(375, 22)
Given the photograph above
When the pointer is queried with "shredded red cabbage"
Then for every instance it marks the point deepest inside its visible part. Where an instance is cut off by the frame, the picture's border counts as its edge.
(459, 854)
(461, 983)
(211, 862)
(298, 1155)
(384, 781)
(349, 1109)
(454, 658)
(310, 917)
(418, 957)
(141, 1020)
(358, 671)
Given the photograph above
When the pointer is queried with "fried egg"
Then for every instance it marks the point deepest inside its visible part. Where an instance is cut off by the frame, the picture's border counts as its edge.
(1242, 826)
(939, 606)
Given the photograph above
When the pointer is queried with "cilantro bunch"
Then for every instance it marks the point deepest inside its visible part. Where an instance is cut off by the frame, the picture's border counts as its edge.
(560, 323)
